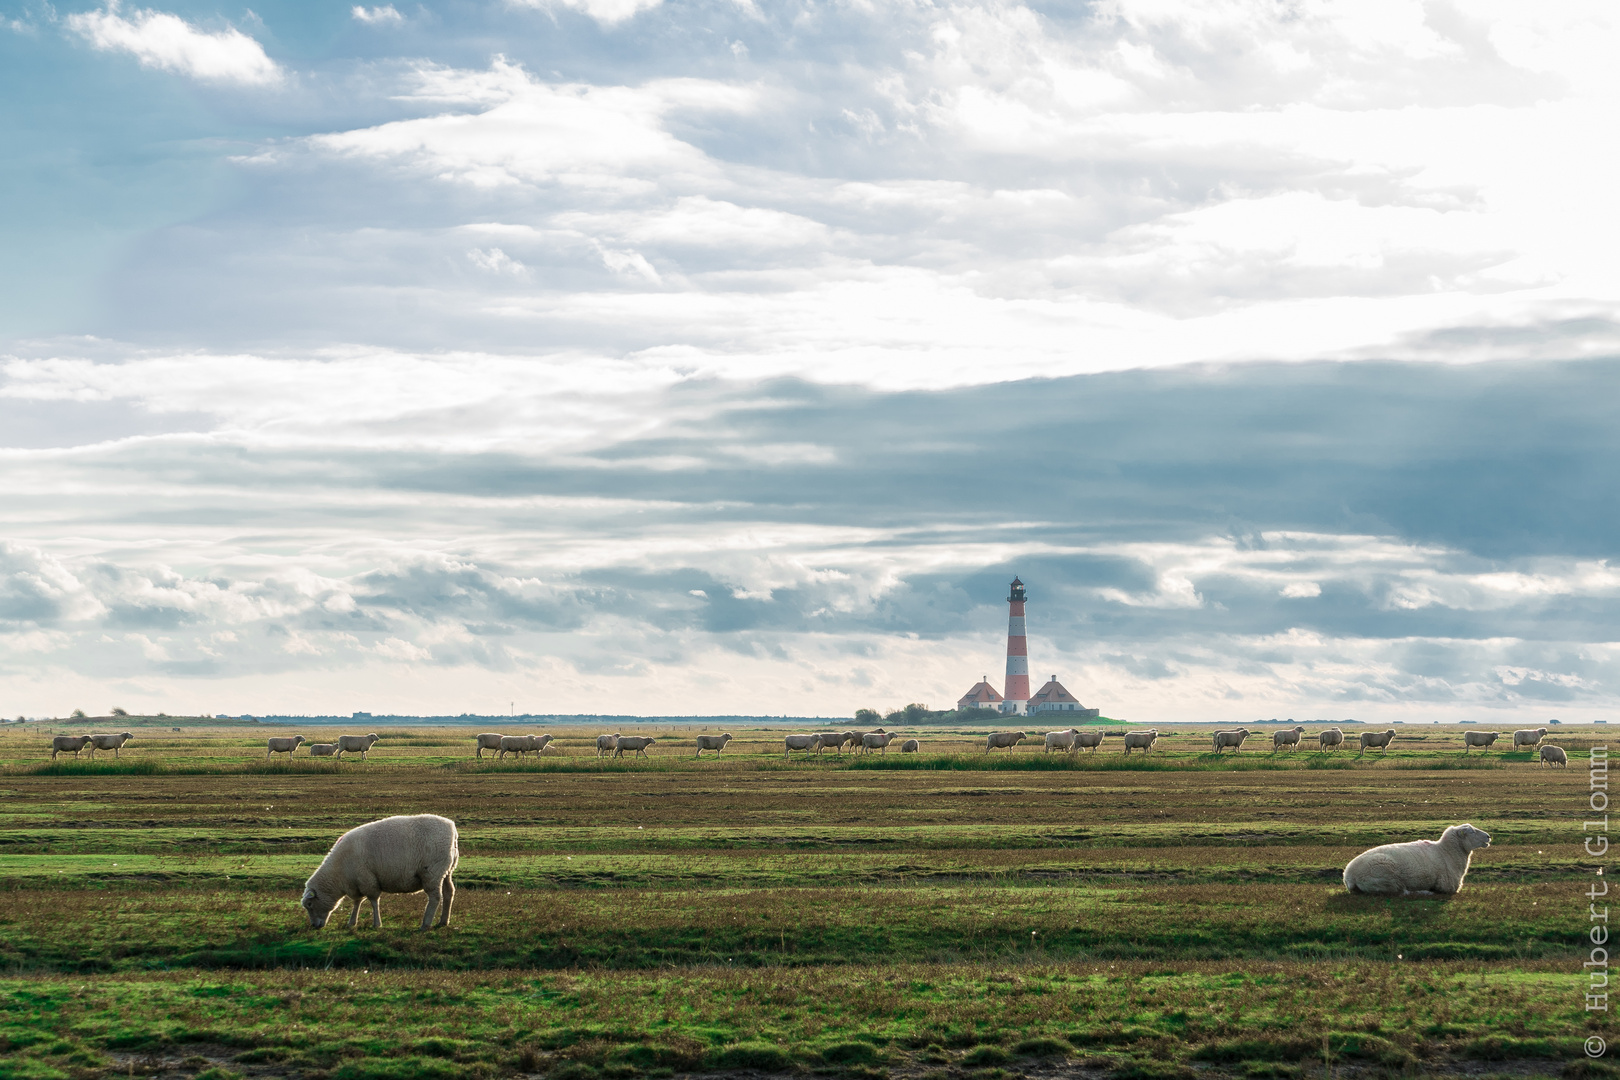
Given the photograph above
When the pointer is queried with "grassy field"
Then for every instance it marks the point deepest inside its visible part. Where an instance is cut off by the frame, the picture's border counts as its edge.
(936, 916)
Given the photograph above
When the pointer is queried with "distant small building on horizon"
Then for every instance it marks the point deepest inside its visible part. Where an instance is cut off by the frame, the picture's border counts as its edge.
(982, 696)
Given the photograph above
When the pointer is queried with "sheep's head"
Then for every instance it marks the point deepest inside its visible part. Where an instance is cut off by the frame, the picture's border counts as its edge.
(317, 908)
(1471, 838)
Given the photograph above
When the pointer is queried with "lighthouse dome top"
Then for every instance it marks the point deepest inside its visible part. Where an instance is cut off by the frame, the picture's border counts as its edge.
(1017, 591)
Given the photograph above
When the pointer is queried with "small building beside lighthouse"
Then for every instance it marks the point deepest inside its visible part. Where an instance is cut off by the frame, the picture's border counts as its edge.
(982, 696)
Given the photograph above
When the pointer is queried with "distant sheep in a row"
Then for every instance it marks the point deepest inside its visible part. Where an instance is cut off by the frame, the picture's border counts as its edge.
(791, 743)
(64, 744)
(394, 855)
(1088, 740)
(717, 743)
(283, 746)
(1141, 740)
(636, 744)
(489, 740)
(1061, 740)
(109, 742)
(1004, 740)
(1379, 739)
(323, 749)
(877, 741)
(1530, 737)
(1290, 738)
(523, 744)
(1330, 738)
(356, 744)
(606, 744)
(1478, 738)
(833, 740)
(1234, 739)
(1421, 866)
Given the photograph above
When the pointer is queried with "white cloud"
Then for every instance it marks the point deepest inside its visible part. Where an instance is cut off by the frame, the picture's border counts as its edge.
(496, 261)
(160, 40)
(606, 12)
(385, 14)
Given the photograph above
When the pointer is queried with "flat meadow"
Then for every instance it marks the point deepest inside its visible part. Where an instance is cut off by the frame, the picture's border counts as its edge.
(944, 915)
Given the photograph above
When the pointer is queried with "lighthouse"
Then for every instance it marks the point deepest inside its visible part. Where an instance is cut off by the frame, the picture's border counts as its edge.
(1016, 699)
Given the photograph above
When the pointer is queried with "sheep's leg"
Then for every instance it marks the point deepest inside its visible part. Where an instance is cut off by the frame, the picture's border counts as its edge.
(354, 913)
(376, 912)
(448, 889)
(432, 892)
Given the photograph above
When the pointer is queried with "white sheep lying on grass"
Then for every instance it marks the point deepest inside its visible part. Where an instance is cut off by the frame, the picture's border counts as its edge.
(394, 855)
(63, 744)
(283, 746)
(1422, 866)
(1554, 755)
(109, 742)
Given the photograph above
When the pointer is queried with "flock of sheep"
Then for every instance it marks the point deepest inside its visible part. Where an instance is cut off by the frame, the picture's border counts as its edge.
(418, 853)
(1068, 740)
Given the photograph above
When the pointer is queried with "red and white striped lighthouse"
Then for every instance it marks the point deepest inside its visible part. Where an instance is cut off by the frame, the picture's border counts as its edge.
(1017, 695)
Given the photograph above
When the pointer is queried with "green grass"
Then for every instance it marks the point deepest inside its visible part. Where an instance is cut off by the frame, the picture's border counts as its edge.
(854, 917)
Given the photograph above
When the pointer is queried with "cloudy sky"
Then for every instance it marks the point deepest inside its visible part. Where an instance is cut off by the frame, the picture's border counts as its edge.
(730, 356)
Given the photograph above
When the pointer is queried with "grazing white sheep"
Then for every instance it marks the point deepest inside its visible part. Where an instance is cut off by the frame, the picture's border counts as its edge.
(283, 746)
(1380, 739)
(1088, 740)
(1422, 866)
(1234, 739)
(636, 744)
(349, 744)
(61, 744)
(323, 749)
(791, 743)
(489, 740)
(1479, 738)
(606, 744)
(409, 854)
(877, 741)
(1280, 739)
(1331, 737)
(109, 742)
(1004, 740)
(1141, 740)
(717, 743)
(910, 746)
(1530, 737)
(1061, 740)
(1554, 755)
(831, 740)
(515, 744)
